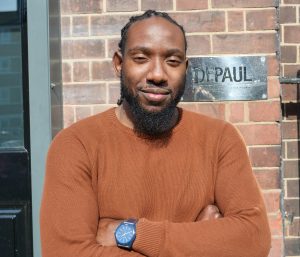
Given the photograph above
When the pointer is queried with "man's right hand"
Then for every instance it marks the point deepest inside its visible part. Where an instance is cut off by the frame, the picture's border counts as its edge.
(209, 212)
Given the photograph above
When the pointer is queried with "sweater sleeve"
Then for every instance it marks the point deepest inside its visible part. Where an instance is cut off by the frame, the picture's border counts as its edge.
(242, 232)
(69, 211)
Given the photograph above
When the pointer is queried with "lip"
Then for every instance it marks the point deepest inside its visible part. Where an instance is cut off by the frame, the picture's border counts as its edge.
(155, 94)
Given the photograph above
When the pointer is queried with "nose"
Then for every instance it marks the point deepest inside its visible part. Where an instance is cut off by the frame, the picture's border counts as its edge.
(157, 74)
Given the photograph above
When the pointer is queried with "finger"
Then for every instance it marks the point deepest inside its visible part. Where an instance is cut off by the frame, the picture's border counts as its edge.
(217, 215)
(211, 210)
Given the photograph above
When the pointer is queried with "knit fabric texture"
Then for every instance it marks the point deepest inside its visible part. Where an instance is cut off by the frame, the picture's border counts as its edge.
(98, 168)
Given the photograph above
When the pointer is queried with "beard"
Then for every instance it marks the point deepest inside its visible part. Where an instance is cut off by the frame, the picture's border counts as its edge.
(149, 123)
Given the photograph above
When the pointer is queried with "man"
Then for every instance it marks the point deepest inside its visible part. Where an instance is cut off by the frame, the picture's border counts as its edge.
(148, 178)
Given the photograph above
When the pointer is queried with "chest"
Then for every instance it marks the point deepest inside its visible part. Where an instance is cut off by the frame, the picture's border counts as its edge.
(168, 181)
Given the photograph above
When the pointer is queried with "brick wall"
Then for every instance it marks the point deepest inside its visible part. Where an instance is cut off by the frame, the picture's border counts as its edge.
(290, 67)
(90, 32)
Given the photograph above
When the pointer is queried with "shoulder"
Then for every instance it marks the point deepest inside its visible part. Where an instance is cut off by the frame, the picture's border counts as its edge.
(88, 127)
(203, 122)
(86, 133)
(93, 123)
(208, 128)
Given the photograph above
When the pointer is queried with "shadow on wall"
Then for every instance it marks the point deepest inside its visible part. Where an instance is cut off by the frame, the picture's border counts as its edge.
(291, 139)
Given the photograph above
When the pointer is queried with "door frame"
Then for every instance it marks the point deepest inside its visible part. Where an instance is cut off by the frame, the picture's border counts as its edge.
(39, 104)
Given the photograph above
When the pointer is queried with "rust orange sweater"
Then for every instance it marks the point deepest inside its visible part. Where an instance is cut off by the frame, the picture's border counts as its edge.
(99, 168)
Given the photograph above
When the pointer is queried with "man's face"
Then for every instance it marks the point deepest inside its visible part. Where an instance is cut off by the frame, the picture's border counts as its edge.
(153, 71)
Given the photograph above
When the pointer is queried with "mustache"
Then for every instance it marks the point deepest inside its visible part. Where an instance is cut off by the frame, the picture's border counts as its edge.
(154, 88)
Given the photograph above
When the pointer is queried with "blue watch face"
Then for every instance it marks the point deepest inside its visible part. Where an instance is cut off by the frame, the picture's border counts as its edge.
(125, 234)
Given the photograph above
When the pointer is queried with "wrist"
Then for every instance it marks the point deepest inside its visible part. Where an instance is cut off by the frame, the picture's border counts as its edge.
(125, 233)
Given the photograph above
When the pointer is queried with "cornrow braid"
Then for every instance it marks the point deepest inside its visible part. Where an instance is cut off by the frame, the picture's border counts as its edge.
(146, 15)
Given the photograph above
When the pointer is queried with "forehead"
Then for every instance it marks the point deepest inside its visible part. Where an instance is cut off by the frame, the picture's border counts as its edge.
(155, 33)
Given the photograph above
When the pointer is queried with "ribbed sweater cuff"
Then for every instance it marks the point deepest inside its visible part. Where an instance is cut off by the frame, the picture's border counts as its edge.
(149, 237)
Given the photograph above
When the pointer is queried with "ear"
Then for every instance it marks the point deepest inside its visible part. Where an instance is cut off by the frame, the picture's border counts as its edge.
(117, 62)
(186, 64)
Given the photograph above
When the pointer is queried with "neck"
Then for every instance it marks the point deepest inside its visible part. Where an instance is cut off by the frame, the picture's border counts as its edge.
(124, 115)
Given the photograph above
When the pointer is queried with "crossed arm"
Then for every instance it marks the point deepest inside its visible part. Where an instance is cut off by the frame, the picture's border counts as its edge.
(107, 227)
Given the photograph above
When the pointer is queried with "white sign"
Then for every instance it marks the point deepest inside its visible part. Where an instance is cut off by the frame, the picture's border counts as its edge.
(8, 5)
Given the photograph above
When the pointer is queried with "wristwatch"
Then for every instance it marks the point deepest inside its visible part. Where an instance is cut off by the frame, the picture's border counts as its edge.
(125, 233)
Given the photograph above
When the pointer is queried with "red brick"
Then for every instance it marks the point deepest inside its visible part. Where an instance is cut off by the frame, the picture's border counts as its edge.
(206, 21)
(236, 112)
(242, 3)
(292, 34)
(215, 110)
(162, 5)
(291, 1)
(268, 179)
(291, 169)
(82, 112)
(108, 24)
(80, 26)
(77, 49)
(268, 156)
(290, 130)
(84, 94)
(261, 19)
(65, 26)
(114, 93)
(193, 107)
(273, 65)
(289, 92)
(292, 187)
(81, 6)
(275, 222)
(81, 71)
(113, 46)
(198, 45)
(244, 43)
(103, 70)
(287, 14)
(69, 117)
(288, 54)
(235, 21)
(292, 71)
(191, 4)
(272, 201)
(277, 248)
(212, 110)
(273, 88)
(293, 150)
(101, 108)
(121, 5)
(66, 72)
(264, 111)
(256, 134)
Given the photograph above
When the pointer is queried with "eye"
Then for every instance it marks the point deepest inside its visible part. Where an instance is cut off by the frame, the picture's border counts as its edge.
(174, 61)
(140, 58)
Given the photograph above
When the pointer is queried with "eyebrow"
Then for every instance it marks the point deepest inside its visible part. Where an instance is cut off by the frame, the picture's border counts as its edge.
(148, 50)
(139, 48)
